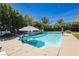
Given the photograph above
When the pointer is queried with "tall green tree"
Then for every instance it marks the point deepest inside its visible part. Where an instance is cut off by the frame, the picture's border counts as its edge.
(10, 18)
(4, 12)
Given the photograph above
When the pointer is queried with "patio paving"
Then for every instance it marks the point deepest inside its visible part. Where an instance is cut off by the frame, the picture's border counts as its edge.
(17, 48)
(69, 47)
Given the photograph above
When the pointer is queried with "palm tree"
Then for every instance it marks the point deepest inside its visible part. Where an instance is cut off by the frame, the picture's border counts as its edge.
(60, 21)
(44, 20)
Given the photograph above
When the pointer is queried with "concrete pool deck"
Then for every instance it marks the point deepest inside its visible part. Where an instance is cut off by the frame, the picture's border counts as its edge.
(69, 47)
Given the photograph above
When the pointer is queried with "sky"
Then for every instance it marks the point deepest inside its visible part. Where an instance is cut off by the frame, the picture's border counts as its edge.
(53, 11)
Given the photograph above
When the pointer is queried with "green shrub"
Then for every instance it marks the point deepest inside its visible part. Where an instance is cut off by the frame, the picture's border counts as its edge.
(68, 31)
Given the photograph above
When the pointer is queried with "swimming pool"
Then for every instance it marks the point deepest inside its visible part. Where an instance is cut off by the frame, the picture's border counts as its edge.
(49, 39)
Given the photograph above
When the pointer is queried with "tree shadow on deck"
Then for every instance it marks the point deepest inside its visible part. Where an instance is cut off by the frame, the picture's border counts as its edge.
(7, 37)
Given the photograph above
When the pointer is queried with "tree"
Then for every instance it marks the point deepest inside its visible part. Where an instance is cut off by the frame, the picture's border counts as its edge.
(16, 19)
(37, 24)
(31, 21)
(10, 18)
(28, 20)
(77, 18)
(4, 15)
(44, 20)
(60, 21)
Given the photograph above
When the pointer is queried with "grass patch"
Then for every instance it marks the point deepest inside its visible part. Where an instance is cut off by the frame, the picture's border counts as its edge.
(76, 34)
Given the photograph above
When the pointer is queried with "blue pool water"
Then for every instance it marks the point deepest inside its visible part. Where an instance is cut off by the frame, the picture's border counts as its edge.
(46, 39)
